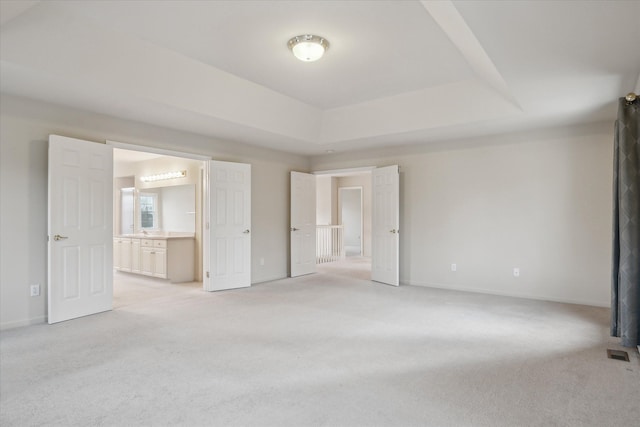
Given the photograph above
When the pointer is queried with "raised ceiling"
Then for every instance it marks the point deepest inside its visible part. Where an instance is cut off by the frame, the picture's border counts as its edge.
(397, 72)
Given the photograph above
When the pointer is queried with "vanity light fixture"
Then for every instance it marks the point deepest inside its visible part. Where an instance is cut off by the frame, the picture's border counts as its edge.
(308, 47)
(163, 176)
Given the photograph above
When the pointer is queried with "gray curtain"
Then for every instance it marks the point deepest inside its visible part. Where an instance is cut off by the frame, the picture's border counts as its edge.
(625, 278)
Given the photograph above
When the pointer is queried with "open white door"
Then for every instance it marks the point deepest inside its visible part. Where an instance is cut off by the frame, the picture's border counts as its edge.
(385, 237)
(303, 224)
(228, 239)
(80, 249)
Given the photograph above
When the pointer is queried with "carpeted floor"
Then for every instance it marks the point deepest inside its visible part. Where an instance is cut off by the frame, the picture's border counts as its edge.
(355, 267)
(328, 349)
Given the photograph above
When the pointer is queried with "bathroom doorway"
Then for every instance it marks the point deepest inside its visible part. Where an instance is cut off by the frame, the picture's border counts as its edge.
(158, 242)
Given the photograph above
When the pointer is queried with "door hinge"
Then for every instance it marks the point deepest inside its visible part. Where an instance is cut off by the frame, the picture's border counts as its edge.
(207, 274)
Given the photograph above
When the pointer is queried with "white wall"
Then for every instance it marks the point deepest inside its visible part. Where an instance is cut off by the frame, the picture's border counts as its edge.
(324, 208)
(118, 184)
(538, 201)
(26, 125)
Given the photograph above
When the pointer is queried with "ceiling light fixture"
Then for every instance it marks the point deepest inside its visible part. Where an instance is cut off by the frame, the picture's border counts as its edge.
(308, 47)
(163, 176)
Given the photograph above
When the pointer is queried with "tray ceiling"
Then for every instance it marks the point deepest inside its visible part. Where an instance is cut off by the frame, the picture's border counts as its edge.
(397, 72)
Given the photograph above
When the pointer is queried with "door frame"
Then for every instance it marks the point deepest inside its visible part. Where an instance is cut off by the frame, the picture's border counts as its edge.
(346, 172)
(361, 190)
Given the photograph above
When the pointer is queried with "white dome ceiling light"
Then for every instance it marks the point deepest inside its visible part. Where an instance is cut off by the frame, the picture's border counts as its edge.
(308, 47)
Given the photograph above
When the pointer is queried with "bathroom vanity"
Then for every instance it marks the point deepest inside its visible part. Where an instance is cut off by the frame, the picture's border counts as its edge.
(166, 256)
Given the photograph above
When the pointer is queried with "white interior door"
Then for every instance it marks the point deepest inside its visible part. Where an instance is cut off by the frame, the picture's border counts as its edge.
(385, 225)
(303, 224)
(228, 246)
(80, 249)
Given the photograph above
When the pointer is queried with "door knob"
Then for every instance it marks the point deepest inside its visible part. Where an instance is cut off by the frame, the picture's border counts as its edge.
(59, 237)
(246, 231)
(294, 229)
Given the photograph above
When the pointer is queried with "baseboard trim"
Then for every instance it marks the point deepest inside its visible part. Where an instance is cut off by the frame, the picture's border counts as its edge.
(25, 322)
(508, 294)
(268, 279)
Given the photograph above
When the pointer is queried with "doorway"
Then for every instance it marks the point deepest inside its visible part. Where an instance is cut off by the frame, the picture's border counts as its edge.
(350, 217)
(343, 199)
(147, 207)
(180, 198)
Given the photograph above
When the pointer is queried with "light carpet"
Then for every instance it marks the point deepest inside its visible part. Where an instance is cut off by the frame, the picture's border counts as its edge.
(320, 350)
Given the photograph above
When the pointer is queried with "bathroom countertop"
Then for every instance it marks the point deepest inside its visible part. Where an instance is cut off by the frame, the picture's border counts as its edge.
(159, 236)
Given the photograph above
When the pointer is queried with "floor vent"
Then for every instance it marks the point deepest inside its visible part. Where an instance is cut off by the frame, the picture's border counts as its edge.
(618, 355)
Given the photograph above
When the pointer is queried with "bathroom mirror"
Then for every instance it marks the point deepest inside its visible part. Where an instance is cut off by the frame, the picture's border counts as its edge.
(167, 209)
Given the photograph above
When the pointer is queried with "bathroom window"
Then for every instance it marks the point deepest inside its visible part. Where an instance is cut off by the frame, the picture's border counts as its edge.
(148, 211)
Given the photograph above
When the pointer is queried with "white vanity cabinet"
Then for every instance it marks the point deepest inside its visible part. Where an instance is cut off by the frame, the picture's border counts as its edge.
(122, 253)
(165, 257)
(135, 256)
(153, 257)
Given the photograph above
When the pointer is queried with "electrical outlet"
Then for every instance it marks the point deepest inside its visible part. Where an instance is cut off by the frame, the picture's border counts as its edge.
(261, 261)
(35, 290)
(516, 272)
(454, 267)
